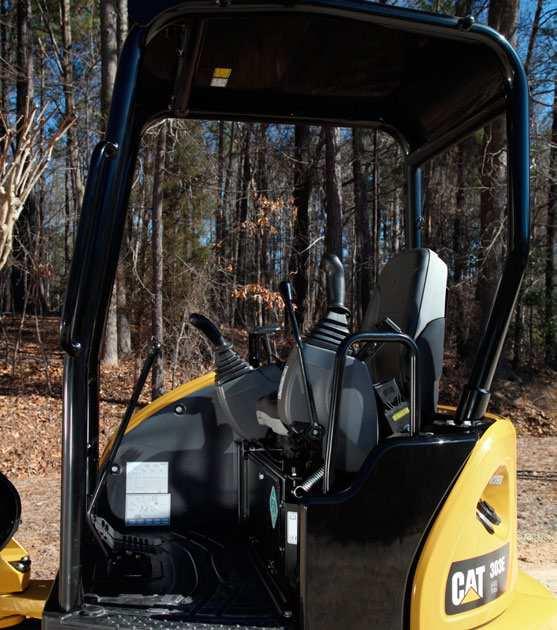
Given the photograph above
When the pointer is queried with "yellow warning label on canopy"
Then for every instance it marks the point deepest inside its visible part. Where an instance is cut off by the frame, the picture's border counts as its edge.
(222, 73)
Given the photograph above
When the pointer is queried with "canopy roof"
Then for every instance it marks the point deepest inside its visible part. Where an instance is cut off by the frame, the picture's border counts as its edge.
(425, 77)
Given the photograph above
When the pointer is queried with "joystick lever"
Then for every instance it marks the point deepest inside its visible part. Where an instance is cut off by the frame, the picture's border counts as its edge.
(210, 330)
(336, 286)
(229, 365)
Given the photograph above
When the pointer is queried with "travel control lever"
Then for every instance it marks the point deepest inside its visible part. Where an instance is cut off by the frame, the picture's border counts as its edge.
(286, 292)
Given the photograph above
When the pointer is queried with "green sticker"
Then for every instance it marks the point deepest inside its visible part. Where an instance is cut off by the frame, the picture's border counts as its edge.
(273, 507)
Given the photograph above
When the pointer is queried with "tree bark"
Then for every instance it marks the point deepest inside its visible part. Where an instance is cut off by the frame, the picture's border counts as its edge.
(503, 17)
(533, 36)
(363, 245)
(157, 388)
(333, 192)
(109, 62)
(122, 28)
(3, 51)
(24, 56)
(72, 155)
(109, 54)
(299, 257)
(27, 223)
(550, 349)
(375, 218)
(124, 332)
(219, 214)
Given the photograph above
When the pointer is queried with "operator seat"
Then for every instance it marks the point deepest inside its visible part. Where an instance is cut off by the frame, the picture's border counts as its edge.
(410, 291)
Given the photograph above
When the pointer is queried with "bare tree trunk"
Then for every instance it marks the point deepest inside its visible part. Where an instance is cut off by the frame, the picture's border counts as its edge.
(518, 332)
(124, 332)
(73, 180)
(550, 349)
(503, 17)
(299, 257)
(333, 191)
(24, 56)
(533, 35)
(375, 218)
(109, 62)
(363, 245)
(227, 234)
(240, 257)
(69, 98)
(122, 8)
(459, 254)
(109, 54)
(219, 214)
(3, 51)
(24, 94)
(157, 387)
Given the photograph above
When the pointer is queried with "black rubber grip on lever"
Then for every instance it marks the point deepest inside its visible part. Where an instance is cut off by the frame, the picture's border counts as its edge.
(336, 288)
(206, 326)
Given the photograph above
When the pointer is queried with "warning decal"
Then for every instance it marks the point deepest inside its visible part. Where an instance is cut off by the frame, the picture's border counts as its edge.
(220, 77)
(476, 581)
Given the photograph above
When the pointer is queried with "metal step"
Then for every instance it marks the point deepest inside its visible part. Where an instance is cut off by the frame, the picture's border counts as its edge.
(103, 618)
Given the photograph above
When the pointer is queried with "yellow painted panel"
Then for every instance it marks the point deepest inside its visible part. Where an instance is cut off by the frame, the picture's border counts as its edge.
(30, 603)
(10, 621)
(457, 536)
(12, 580)
(533, 608)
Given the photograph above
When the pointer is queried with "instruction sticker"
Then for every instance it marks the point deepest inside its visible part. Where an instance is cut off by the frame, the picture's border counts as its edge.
(147, 496)
(292, 528)
(146, 477)
(147, 509)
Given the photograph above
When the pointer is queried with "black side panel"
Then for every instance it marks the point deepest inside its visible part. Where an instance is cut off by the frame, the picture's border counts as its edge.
(200, 451)
(10, 511)
(360, 546)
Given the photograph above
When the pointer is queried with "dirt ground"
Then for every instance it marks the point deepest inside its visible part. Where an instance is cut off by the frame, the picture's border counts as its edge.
(537, 514)
(537, 508)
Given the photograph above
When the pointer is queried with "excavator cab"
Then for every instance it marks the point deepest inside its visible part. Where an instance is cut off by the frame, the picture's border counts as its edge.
(330, 489)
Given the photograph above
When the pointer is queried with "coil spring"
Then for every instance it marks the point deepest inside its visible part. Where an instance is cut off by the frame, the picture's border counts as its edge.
(308, 484)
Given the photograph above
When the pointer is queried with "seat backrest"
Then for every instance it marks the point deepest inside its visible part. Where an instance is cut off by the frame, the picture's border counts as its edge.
(411, 292)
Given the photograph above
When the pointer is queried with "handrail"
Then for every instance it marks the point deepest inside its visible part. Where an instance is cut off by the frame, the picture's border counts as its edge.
(71, 312)
(336, 391)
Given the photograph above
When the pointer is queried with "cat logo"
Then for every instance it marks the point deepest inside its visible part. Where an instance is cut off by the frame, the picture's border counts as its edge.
(467, 587)
(476, 581)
